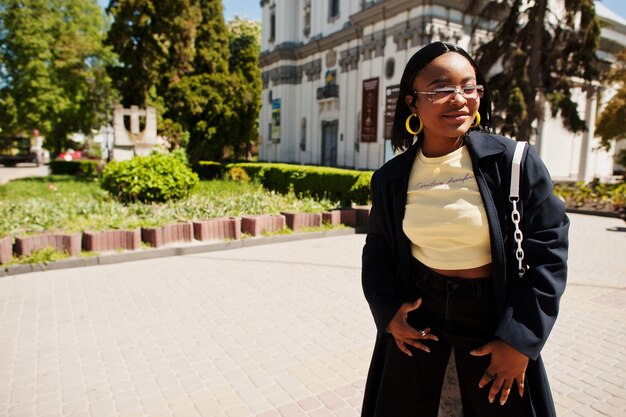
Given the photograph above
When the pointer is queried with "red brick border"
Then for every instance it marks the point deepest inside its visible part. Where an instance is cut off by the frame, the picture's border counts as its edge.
(332, 218)
(62, 242)
(296, 221)
(347, 216)
(257, 224)
(109, 240)
(6, 249)
(159, 236)
(219, 228)
(362, 215)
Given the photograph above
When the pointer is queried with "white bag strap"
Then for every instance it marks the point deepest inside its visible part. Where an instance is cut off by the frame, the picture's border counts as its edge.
(516, 168)
(514, 198)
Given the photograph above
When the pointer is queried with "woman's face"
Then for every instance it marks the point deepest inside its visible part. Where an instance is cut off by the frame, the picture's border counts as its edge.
(451, 116)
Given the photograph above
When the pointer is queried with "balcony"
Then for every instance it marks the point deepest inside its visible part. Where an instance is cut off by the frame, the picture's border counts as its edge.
(329, 91)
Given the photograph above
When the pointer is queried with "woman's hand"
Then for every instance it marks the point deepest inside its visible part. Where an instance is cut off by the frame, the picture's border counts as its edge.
(507, 365)
(404, 334)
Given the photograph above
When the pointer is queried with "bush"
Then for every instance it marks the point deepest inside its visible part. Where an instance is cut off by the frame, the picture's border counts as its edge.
(618, 197)
(238, 174)
(594, 195)
(342, 185)
(79, 167)
(360, 190)
(154, 178)
(208, 170)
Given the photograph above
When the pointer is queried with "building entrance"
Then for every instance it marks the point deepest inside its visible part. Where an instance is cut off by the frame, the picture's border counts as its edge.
(329, 143)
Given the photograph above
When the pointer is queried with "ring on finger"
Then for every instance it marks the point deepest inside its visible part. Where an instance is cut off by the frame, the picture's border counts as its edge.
(490, 376)
(423, 333)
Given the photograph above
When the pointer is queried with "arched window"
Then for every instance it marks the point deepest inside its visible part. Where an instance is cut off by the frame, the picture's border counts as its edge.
(390, 68)
(303, 135)
(333, 9)
(307, 18)
(272, 23)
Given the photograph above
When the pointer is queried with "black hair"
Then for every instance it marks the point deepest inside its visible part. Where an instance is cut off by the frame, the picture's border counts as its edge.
(400, 138)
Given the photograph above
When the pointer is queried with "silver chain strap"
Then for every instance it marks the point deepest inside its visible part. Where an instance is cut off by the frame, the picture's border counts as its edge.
(514, 199)
(518, 236)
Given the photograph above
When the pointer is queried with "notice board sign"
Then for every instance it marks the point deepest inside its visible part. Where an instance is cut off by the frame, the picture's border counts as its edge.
(276, 120)
(391, 98)
(369, 110)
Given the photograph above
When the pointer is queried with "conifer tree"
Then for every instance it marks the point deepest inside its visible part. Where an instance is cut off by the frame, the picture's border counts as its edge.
(542, 47)
(245, 48)
(201, 100)
(177, 59)
(155, 45)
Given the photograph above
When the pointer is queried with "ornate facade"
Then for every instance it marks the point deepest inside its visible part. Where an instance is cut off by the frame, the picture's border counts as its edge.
(331, 68)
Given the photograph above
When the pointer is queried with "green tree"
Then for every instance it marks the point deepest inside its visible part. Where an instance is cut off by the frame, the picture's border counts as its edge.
(610, 123)
(182, 59)
(245, 48)
(155, 45)
(52, 74)
(202, 100)
(541, 51)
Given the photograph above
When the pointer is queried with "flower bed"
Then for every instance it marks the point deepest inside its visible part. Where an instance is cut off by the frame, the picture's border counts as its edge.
(44, 204)
(36, 207)
(595, 196)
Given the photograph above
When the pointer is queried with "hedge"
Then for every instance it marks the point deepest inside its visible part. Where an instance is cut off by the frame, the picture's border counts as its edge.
(80, 167)
(208, 170)
(154, 178)
(346, 186)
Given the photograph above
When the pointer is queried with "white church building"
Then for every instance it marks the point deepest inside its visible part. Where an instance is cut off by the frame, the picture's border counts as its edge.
(331, 70)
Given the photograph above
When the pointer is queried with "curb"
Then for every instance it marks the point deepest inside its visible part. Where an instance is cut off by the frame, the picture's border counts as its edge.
(179, 250)
(613, 214)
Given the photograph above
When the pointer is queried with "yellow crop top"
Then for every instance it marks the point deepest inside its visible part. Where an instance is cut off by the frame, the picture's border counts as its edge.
(445, 217)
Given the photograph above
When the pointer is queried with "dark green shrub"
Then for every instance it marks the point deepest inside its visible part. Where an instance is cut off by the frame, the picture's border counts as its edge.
(360, 190)
(79, 167)
(154, 178)
(342, 185)
(208, 170)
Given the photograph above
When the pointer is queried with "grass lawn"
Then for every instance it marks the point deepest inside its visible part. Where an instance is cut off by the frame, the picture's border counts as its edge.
(66, 203)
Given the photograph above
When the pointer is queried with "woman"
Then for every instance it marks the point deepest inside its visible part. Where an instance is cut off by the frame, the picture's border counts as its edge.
(439, 266)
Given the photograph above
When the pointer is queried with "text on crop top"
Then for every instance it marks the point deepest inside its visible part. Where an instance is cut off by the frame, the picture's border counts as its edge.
(445, 217)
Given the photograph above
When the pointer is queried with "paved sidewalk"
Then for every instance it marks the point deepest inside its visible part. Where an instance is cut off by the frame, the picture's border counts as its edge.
(278, 330)
(21, 171)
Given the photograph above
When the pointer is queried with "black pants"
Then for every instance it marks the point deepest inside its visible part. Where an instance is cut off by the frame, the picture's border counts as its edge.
(462, 313)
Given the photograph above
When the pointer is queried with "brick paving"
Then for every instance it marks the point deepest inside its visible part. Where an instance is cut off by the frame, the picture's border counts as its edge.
(278, 330)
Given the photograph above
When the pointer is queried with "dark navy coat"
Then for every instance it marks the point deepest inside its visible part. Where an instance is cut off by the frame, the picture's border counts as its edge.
(528, 306)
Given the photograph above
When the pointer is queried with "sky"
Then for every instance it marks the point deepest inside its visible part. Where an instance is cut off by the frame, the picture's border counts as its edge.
(252, 8)
(244, 8)
(617, 6)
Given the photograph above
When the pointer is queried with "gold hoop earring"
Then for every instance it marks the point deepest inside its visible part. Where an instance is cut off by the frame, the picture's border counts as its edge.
(476, 121)
(408, 125)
